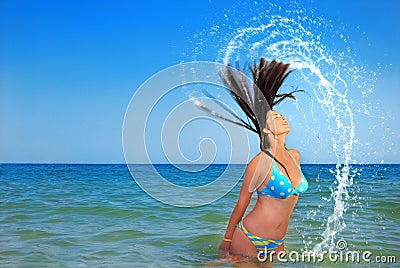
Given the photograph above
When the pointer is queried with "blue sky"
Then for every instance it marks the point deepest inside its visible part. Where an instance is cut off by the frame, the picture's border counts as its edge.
(69, 68)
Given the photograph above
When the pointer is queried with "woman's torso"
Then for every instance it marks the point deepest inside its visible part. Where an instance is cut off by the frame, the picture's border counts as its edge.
(270, 216)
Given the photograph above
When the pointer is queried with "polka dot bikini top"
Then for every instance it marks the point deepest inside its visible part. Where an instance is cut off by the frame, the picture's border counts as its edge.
(279, 186)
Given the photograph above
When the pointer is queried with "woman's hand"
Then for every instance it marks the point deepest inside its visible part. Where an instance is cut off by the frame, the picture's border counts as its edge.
(224, 247)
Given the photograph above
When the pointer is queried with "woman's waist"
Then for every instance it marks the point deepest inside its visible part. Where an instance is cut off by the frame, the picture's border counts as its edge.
(270, 225)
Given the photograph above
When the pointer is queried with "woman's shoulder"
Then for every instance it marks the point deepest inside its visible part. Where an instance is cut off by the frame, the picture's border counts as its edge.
(254, 161)
(260, 160)
(295, 153)
(258, 169)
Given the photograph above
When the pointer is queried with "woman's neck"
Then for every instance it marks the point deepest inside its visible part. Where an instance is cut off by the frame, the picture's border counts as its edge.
(278, 143)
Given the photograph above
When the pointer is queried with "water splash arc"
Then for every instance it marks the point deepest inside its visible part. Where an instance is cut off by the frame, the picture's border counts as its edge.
(327, 74)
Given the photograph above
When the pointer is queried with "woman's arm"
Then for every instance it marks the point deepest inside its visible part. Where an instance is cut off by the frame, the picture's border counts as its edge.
(242, 203)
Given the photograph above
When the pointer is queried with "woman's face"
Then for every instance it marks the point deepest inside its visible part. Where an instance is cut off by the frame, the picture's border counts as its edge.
(277, 123)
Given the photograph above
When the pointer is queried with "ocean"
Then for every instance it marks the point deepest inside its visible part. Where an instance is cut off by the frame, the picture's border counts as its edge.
(77, 215)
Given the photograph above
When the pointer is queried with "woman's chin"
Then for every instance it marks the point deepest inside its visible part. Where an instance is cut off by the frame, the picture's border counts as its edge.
(284, 132)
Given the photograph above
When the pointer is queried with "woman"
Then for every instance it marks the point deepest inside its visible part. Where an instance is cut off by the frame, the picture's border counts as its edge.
(274, 172)
(264, 228)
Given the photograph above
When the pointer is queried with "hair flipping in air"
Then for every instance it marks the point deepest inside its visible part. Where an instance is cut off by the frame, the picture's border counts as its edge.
(268, 77)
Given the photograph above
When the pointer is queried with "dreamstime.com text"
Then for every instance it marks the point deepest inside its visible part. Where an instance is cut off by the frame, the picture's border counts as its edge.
(341, 255)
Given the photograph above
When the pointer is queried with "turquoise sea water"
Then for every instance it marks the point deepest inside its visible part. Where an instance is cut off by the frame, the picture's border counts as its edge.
(96, 215)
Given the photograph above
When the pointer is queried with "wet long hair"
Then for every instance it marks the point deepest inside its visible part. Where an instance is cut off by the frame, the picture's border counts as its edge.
(257, 100)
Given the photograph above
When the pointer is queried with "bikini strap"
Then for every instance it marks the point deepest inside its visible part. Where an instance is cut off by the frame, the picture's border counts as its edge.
(293, 159)
(241, 226)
